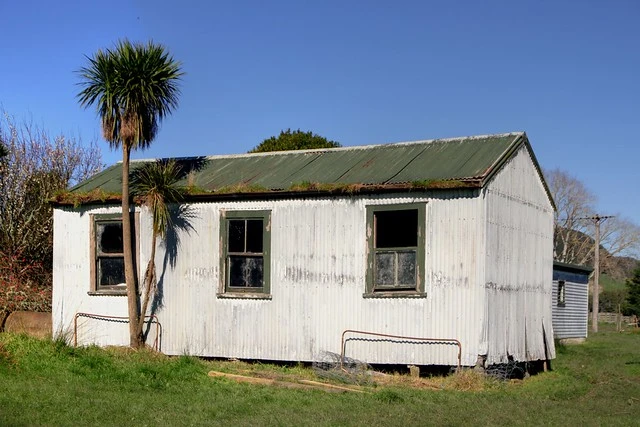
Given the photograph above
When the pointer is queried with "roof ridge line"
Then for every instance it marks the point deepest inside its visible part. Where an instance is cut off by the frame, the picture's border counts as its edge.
(345, 148)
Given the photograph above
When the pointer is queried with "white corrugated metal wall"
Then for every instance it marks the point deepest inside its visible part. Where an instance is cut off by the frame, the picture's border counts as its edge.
(318, 268)
(71, 282)
(519, 261)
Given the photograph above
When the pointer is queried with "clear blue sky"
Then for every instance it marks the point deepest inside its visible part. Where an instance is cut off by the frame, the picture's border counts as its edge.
(359, 72)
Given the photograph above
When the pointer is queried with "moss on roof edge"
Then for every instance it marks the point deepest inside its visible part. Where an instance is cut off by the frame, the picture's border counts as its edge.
(304, 189)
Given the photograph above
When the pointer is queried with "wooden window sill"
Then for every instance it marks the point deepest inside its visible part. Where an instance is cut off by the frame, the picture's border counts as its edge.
(243, 295)
(110, 293)
(394, 294)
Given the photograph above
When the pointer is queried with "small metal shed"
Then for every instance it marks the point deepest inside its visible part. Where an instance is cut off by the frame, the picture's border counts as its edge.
(570, 301)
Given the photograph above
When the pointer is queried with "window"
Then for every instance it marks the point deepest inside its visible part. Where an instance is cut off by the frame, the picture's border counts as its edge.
(107, 254)
(245, 249)
(395, 236)
(561, 292)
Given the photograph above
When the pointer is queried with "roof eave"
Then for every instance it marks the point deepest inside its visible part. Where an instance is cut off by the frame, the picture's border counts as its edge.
(344, 190)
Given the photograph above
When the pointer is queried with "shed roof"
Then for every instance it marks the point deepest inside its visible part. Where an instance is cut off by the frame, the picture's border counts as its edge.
(440, 163)
(573, 268)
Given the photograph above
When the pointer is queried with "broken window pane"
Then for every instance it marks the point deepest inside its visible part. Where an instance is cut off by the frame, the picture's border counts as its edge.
(109, 237)
(245, 271)
(111, 271)
(396, 229)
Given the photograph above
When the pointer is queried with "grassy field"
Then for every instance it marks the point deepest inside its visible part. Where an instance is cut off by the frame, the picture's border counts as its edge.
(48, 383)
(609, 283)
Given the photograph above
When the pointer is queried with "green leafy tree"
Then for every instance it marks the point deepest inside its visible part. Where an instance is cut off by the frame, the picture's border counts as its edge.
(3, 151)
(296, 140)
(611, 300)
(155, 185)
(134, 87)
(633, 293)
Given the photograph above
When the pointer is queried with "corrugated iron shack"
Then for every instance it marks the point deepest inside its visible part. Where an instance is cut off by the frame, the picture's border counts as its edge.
(275, 255)
(570, 301)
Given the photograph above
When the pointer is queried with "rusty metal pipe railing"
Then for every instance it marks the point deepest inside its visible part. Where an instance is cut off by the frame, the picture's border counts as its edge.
(451, 341)
(157, 343)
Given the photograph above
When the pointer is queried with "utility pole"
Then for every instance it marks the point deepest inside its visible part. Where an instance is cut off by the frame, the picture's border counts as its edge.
(597, 220)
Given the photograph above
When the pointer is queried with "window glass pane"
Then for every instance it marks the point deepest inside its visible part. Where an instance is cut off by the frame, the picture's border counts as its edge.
(109, 237)
(236, 235)
(396, 229)
(245, 271)
(111, 271)
(561, 290)
(254, 235)
(385, 269)
(407, 268)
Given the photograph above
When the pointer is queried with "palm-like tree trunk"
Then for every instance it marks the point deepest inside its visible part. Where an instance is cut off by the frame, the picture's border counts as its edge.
(134, 86)
(135, 332)
(149, 281)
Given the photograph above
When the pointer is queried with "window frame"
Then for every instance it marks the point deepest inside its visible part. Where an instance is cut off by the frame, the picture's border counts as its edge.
(562, 293)
(371, 290)
(226, 291)
(94, 219)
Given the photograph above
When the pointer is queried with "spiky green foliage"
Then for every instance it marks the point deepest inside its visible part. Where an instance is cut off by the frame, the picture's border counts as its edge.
(134, 86)
(296, 140)
(155, 185)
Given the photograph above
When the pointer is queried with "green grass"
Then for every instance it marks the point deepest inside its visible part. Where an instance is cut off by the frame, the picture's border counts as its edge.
(48, 383)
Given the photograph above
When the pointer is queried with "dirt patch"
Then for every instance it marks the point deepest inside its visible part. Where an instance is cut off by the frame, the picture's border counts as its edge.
(30, 323)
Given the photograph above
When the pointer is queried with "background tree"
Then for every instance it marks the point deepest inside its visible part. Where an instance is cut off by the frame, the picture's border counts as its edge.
(134, 87)
(155, 185)
(574, 235)
(633, 294)
(572, 241)
(35, 167)
(296, 140)
(3, 151)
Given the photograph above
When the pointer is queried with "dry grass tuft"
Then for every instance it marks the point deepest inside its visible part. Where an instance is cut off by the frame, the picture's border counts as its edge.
(468, 380)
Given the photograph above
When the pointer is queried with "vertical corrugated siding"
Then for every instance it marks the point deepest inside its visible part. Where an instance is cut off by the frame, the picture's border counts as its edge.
(71, 282)
(485, 282)
(318, 270)
(518, 264)
(570, 320)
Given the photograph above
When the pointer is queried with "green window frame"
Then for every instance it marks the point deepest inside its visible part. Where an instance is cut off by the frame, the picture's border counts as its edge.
(245, 261)
(107, 253)
(396, 250)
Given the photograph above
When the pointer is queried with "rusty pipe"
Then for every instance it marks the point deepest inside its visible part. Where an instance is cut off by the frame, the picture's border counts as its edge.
(442, 340)
(120, 319)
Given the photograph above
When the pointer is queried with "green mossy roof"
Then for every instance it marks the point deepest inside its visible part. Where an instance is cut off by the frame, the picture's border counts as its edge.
(462, 162)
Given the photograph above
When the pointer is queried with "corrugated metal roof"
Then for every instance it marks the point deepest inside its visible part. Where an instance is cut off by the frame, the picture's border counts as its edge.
(467, 159)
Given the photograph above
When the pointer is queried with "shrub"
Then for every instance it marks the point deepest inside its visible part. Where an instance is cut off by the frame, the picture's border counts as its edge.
(24, 285)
